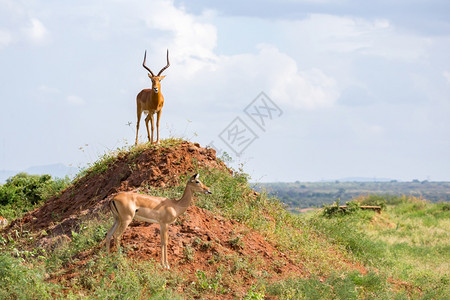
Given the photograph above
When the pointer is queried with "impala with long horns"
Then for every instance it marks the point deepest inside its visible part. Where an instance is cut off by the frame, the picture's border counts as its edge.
(151, 101)
(128, 205)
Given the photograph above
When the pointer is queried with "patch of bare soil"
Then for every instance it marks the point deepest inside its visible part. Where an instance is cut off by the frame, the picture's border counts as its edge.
(211, 239)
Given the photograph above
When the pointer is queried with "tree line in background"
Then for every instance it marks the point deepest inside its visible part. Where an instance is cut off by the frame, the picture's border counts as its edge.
(298, 195)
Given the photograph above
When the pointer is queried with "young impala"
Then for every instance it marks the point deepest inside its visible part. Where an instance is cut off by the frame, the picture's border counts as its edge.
(151, 101)
(128, 205)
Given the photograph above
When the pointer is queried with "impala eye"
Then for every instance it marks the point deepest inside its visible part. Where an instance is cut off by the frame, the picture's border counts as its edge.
(197, 181)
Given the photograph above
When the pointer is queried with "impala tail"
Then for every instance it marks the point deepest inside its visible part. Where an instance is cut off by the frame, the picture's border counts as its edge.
(113, 207)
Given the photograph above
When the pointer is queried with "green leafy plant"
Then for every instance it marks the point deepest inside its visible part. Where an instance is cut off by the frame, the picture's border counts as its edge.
(23, 192)
(189, 253)
(253, 294)
(336, 209)
(236, 243)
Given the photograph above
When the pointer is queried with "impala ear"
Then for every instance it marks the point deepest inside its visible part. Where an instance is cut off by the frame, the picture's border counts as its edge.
(195, 177)
(162, 77)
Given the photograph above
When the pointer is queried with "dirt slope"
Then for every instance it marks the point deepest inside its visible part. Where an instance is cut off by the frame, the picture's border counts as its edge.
(156, 167)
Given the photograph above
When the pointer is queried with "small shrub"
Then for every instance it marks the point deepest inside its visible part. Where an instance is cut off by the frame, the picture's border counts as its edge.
(212, 283)
(336, 209)
(374, 200)
(445, 206)
(254, 295)
(189, 253)
(236, 243)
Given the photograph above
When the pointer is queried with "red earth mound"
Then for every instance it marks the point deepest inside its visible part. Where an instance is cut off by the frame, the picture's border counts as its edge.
(201, 241)
(156, 166)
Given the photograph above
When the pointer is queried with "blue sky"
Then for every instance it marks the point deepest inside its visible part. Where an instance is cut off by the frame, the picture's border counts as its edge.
(363, 87)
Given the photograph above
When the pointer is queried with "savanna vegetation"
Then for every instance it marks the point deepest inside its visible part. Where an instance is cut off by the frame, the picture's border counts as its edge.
(402, 253)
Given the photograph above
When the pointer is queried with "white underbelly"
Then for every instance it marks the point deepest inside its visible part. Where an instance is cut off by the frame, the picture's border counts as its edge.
(145, 219)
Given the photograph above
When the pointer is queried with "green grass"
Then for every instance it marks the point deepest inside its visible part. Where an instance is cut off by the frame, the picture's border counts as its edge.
(100, 276)
(409, 242)
(420, 244)
(18, 280)
(115, 277)
(337, 286)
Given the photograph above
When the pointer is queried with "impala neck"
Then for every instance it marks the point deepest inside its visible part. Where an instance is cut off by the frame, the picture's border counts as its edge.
(158, 94)
(186, 199)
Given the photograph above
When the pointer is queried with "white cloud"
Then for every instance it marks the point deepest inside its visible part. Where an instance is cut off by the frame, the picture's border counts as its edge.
(308, 89)
(195, 65)
(337, 34)
(36, 31)
(234, 80)
(192, 41)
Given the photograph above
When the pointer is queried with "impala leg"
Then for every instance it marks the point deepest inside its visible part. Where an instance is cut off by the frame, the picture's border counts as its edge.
(123, 224)
(149, 118)
(139, 113)
(151, 122)
(164, 240)
(111, 233)
(158, 116)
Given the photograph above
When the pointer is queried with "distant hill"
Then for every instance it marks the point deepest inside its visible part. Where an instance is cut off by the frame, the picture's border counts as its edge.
(363, 179)
(55, 170)
(5, 174)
